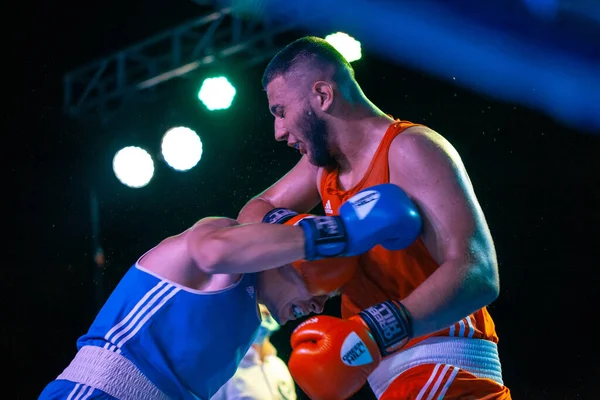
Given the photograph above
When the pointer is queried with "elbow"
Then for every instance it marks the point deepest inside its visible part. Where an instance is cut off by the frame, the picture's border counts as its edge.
(255, 210)
(487, 280)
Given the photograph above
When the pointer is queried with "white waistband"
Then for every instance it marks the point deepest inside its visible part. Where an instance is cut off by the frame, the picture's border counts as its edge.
(476, 356)
(112, 373)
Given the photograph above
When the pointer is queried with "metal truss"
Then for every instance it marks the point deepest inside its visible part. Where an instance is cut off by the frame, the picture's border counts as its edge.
(101, 86)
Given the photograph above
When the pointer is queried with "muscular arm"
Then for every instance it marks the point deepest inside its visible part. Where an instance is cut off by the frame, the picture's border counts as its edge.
(455, 231)
(221, 246)
(297, 190)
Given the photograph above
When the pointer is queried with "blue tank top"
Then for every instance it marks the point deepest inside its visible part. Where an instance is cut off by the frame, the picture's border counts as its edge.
(188, 343)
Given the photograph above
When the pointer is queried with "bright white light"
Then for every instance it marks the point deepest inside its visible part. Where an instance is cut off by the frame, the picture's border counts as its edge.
(216, 93)
(345, 44)
(133, 166)
(181, 148)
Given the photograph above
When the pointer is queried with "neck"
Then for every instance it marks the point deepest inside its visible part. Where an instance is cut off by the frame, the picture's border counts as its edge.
(357, 134)
(258, 347)
(264, 349)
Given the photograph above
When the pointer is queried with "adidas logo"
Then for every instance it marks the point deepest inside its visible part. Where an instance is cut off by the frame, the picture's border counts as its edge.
(250, 291)
(327, 208)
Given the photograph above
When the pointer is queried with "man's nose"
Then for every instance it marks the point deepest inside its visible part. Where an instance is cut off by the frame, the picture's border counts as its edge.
(281, 133)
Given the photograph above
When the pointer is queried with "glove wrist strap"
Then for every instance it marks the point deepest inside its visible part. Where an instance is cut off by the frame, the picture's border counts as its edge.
(390, 324)
(325, 237)
(278, 216)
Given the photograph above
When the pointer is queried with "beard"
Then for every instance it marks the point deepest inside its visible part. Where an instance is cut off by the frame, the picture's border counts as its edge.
(317, 140)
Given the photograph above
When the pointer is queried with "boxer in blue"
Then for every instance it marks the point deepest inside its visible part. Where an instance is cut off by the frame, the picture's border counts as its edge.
(182, 318)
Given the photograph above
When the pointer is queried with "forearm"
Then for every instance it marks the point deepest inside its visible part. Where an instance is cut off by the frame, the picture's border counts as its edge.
(254, 210)
(455, 290)
(247, 248)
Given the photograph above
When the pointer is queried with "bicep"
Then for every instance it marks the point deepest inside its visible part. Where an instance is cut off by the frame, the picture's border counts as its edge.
(296, 190)
(432, 173)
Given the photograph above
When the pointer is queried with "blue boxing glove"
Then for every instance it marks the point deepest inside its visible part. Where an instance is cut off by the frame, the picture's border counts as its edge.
(382, 214)
(408, 223)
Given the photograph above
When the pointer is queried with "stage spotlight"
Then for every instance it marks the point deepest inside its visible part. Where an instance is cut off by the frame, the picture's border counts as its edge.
(133, 166)
(345, 44)
(216, 93)
(181, 148)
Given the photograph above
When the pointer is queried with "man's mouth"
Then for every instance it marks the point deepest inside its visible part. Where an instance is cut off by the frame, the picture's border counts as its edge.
(299, 147)
(297, 311)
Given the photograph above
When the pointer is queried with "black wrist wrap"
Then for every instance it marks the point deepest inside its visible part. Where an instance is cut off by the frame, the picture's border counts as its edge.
(390, 325)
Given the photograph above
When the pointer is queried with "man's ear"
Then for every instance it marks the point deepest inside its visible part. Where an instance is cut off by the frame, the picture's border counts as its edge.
(323, 92)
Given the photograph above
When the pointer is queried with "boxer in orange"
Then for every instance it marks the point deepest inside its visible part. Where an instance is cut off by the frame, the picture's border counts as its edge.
(414, 321)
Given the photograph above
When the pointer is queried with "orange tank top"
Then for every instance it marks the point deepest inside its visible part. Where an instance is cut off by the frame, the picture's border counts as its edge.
(386, 274)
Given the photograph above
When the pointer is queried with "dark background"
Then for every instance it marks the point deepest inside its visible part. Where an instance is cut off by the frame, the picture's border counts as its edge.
(536, 179)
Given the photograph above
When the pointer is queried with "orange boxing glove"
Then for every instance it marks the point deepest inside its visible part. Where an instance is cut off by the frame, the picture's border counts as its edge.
(331, 357)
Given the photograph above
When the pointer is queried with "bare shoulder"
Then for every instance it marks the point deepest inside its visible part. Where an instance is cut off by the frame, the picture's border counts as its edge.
(171, 258)
(420, 141)
(176, 246)
(214, 223)
(430, 170)
(420, 151)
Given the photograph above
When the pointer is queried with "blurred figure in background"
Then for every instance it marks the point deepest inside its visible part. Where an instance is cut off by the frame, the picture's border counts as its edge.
(261, 375)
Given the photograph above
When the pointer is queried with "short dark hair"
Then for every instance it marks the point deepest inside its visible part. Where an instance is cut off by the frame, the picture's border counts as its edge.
(308, 48)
